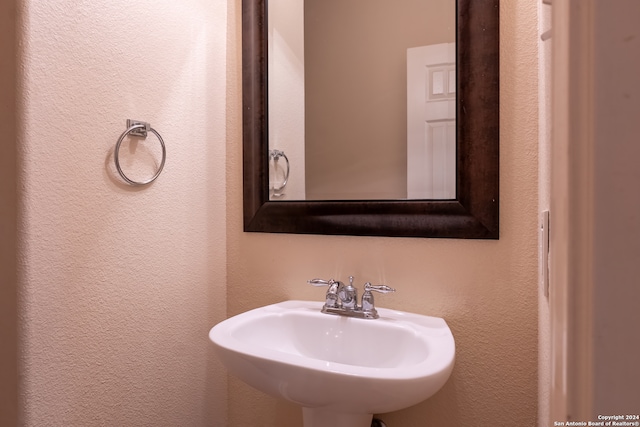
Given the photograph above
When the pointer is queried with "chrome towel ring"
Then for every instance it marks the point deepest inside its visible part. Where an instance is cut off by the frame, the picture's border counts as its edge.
(275, 155)
(140, 129)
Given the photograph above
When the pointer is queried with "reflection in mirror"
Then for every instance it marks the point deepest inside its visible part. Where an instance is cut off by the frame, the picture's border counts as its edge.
(362, 99)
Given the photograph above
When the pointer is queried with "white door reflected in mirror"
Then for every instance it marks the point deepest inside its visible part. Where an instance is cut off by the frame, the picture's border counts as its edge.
(431, 122)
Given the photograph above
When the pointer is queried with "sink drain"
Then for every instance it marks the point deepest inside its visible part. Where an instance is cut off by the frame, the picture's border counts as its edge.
(377, 423)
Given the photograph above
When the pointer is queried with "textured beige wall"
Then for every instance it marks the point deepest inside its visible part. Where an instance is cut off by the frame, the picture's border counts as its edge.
(8, 218)
(486, 290)
(120, 285)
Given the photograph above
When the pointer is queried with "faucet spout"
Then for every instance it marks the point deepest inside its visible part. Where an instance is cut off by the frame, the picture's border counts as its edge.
(349, 296)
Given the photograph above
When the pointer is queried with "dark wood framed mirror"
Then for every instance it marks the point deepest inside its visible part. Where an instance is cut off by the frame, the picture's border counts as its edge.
(473, 214)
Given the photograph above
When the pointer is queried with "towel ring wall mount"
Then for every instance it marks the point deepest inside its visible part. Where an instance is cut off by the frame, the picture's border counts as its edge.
(138, 129)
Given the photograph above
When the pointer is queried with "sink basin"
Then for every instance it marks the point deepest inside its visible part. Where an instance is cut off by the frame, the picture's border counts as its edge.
(341, 370)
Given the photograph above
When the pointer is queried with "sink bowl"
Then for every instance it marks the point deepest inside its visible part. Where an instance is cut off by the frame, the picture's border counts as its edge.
(341, 370)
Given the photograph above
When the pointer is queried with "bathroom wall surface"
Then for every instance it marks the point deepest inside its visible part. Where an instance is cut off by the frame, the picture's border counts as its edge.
(120, 284)
(485, 290)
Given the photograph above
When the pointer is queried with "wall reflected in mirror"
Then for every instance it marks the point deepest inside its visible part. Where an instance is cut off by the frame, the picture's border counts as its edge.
(362, 99)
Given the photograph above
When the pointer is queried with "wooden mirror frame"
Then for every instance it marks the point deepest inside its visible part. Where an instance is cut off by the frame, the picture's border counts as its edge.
(474, 214)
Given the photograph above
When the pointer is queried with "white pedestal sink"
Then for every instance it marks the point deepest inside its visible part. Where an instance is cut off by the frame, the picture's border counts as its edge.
(340, 370)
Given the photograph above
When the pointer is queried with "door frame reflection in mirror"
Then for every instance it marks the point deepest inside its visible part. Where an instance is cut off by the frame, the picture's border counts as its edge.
(474, 213)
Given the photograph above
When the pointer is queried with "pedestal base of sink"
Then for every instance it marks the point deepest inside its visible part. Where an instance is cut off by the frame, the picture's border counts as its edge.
(323, 417)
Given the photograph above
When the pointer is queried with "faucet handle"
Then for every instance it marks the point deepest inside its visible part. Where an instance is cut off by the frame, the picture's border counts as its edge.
(321, 282)
(368, 305)
(383, 289)
(331, 298)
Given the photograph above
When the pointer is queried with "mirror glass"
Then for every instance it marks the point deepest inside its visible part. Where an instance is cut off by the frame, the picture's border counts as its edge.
(361, 99)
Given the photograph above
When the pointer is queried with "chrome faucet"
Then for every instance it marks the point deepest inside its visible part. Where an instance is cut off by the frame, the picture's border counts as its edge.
(342, 299)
